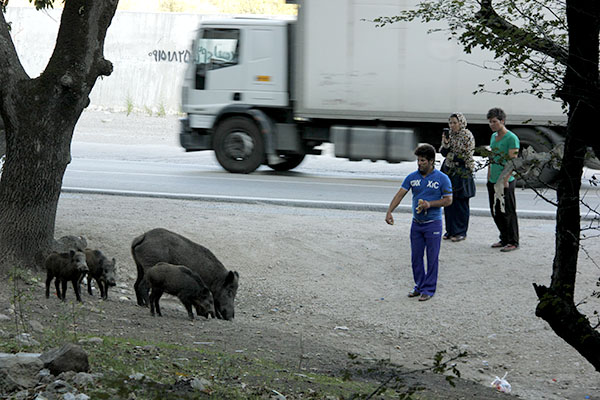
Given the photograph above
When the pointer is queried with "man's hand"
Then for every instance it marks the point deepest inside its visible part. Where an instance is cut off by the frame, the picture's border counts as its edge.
(389, 218)
(422, 206)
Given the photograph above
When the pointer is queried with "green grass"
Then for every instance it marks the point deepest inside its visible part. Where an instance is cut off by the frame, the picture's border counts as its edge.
(129, 105)
(232, 376)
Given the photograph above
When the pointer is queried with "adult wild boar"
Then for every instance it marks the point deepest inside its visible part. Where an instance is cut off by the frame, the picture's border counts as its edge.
(182, 282)
(160, 244)
(70, 266)
(102, 270)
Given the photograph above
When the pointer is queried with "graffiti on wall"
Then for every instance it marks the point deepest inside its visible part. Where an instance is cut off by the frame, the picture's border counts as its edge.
(185, 56)
(176, 56)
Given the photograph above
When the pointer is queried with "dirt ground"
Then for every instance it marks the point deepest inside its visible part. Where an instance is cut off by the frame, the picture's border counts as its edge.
(316, 284)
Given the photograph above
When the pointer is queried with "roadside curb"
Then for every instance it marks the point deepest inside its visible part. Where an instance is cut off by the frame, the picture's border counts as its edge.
(334, 205)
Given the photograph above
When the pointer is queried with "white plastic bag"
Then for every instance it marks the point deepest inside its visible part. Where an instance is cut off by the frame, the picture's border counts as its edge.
(501, 384)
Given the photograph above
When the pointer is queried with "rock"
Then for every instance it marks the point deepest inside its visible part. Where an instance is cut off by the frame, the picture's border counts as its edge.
(19, 371)
(199, 384)
(59, 386)
(26, 339)
(92, 340)
(138, 376)
(4, 317)
(45, 377)
(69, 357)
(67, 376)
(22, 395)
(36, 326)
(83, 379)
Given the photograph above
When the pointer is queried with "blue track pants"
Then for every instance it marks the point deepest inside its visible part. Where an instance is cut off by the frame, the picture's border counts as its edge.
(425, 236)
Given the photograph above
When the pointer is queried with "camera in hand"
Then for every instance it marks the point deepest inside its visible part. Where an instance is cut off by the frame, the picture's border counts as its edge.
(446, 132)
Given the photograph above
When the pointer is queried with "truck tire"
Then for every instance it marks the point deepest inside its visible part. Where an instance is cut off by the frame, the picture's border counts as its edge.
(529, 137)
(239, 145)
(291, 161)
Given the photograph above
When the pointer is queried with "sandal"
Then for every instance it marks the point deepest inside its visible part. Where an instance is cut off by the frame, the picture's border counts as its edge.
(458, 238)
(498, 245)
(446, 236)
(509, 247)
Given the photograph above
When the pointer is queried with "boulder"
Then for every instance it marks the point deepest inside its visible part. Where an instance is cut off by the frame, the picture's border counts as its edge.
(19, 371)
(69, 357)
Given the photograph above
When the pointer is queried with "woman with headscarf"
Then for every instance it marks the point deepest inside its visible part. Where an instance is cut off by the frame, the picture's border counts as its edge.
(458, 147)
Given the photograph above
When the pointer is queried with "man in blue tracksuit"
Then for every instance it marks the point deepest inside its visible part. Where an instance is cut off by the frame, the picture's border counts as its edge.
(431, 191)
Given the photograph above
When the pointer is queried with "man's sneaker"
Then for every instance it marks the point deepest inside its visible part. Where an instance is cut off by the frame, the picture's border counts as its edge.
(424, 297)
(413, 293)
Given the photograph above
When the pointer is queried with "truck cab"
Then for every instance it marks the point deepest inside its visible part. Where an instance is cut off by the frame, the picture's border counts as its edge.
(236, 90)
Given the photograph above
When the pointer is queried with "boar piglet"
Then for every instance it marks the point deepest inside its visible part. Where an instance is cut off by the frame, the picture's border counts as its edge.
(183, 283)
(65, 267)
(160, 244)
(102, 270)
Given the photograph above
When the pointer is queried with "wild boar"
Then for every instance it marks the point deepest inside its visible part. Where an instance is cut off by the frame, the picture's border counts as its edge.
(100, 269)
(182, 282)
(160, 244)
(65, 267)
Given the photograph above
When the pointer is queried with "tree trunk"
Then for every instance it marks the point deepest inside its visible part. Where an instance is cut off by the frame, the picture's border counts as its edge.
(580, 91)
(38, 154)
(39, 116)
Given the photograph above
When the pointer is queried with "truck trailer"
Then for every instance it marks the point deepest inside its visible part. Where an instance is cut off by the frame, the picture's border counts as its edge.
(271, 91)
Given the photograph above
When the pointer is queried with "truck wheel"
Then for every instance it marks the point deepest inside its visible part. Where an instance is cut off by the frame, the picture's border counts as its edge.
(540, 143)
(238, 145)
(290, 161)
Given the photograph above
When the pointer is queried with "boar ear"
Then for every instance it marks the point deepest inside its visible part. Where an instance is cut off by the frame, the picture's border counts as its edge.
(232, 276)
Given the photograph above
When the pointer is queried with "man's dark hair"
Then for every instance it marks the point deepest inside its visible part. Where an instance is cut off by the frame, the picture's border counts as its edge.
(496, 113)
(425, 150)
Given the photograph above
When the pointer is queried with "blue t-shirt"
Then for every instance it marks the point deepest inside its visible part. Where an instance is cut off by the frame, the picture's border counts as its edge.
(432, 187)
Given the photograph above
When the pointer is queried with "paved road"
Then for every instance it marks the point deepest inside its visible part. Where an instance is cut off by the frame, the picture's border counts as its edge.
(140, 155)
(308, 189)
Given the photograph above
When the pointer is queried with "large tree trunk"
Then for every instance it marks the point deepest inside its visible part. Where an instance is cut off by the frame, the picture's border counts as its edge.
(580, 91)
(40, 115)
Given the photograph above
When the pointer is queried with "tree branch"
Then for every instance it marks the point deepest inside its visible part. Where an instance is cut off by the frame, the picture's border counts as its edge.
(10, 63)
(488, 17)
(83, 59)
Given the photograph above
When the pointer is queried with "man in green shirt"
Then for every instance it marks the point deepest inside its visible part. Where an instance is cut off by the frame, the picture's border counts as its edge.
(504, 145)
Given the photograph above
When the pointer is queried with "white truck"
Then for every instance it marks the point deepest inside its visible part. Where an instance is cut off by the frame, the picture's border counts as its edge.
(264, 91)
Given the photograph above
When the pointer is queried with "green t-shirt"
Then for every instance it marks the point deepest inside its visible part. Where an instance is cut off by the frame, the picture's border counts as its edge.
(500, 149)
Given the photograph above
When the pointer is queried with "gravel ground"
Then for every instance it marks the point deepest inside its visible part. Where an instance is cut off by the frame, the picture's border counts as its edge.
(316, 284)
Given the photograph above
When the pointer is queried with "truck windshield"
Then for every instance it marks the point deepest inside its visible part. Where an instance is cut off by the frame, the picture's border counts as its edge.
(218, 48)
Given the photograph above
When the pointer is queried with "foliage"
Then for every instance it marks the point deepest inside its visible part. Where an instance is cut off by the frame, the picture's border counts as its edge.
(38, 4)
(524, 23)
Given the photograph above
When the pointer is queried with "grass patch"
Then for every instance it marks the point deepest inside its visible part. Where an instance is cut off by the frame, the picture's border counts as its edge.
(155, 370)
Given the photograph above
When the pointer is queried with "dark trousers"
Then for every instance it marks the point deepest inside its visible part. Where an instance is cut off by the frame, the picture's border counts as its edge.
(505, 221)
(456, 216)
